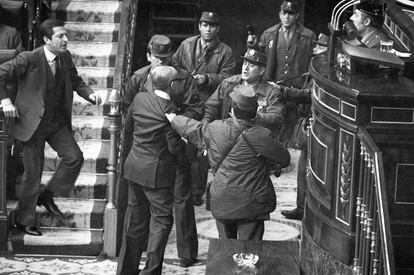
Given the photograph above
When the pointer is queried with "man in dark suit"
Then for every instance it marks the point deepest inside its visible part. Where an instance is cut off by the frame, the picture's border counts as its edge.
(150, 169)
(184, 94)
(46, 78)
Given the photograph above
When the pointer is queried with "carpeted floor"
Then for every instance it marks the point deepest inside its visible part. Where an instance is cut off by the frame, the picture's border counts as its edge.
(277, 228)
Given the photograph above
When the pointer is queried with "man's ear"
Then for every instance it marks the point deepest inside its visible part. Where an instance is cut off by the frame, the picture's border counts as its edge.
(367, 21)
(218, 28)
(46, 40)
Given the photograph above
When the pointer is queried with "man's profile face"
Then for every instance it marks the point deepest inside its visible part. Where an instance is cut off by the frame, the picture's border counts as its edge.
(359, 20)
(58, 41)
(157, 61)
(208, 31)
(251, 73)
(288, 19)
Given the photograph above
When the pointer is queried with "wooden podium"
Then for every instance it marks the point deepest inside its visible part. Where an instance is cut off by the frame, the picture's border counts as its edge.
(342, 104)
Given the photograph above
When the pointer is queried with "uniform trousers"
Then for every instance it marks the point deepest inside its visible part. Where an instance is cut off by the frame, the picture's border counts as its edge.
(243, 229)
(148, 223)
(185, 225)
(301, 179)
(60, 138)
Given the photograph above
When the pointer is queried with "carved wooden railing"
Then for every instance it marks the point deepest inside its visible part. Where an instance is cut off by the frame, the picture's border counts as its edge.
(122, 73)
(373, 243)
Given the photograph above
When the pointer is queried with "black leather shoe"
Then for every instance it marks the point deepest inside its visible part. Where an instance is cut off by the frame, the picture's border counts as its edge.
(52, 208)
(186, 262)
(31, 230)
(295, 214)
(197, 201)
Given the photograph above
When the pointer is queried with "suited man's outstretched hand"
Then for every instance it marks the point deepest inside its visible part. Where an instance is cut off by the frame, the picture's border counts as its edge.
(170, 116)
(95, 98)
(9, 109)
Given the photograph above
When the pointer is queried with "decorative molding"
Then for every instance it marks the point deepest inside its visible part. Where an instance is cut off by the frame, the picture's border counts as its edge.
(345, 177)
(334, 105)
(352, 108)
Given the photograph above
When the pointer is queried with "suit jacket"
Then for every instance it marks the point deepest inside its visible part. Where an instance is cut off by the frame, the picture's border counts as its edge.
(151, 161)
(29, 69)
(302, 49)
(218, 63)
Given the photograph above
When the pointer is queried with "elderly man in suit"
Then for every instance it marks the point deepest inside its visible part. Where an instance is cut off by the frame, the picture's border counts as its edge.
(46, 78)
(185, 96)
(150, 169)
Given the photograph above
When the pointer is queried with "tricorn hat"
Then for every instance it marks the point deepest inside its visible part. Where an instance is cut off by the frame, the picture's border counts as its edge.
(244, 97)
(255, 56)
(160, 46)
(290, 6)
(209, 17)
(372, 9)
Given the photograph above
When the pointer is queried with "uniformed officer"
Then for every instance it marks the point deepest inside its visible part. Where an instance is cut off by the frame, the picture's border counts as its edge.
(367, 19)
(209, 61)
(270, 111)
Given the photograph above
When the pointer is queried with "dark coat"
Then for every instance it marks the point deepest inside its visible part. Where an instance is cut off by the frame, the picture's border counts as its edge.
(29, 69)
(151, 162)
(185, 93)
(218, 63)
(270, 110)
(302, 50)
(241, 186)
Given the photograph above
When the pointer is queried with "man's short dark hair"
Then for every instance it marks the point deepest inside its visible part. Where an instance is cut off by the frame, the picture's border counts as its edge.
(243, 114)
(46, 28)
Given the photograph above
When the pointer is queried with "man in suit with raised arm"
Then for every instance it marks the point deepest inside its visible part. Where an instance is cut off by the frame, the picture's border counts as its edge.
(46, 78)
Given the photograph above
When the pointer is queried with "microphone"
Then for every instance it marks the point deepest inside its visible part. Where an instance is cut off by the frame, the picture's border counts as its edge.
(350, 30)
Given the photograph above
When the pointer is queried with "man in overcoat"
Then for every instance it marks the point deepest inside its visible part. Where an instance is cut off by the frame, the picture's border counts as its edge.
(288, 48)
(46, 78)
(209, 61)
(242, 156)
(185, 96)
(150, 169)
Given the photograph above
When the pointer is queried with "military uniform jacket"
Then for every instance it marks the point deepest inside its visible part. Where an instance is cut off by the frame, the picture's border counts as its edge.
(151, 162)
(29, 69)
(241, 187)
(217, 64)
(270, 111)
(184, 94)
(301, 50)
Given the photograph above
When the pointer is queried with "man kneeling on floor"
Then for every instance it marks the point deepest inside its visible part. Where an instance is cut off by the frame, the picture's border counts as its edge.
(242, 156)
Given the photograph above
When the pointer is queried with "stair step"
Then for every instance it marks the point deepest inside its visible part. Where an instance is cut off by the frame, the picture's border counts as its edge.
(92, 32)
(81, 214)
(87, 11)
(87, 186)
(95, 153)
(83, 107)
(93, 54)
(57, 241)
(97, 77)
(90, 127)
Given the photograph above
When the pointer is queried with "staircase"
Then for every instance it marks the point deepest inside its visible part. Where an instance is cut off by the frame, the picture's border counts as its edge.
(93, 32)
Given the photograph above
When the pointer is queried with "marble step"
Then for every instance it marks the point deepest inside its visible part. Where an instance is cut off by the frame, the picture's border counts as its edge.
(87, 186)
(78, 213)
(90, 127)
(56, 241)
(92, 32)
(95, 153)
(97, 77)
(88, 11)
(83, 107)
(93, 54)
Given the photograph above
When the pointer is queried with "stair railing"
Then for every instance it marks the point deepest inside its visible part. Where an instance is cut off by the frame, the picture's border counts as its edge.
(373, 242)
(122, 73)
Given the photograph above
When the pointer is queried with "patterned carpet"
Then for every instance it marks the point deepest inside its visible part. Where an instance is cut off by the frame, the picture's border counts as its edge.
(277, 228)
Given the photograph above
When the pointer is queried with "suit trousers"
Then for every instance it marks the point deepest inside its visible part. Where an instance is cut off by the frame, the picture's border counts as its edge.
(148, 223)
(243, 229)
(185, 225)
(301, 179)
(199, 174)
(60, 138)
